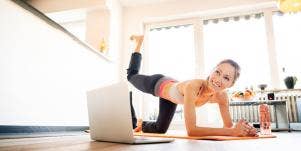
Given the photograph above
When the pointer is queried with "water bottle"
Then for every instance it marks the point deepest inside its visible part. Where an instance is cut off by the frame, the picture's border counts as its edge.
(265, 120)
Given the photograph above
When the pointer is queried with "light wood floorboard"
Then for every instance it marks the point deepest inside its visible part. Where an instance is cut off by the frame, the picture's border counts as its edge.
(284, 142)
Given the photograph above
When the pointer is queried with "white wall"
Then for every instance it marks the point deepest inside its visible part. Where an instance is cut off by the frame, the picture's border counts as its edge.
(98, 26)
(116, 34)
(44, 73)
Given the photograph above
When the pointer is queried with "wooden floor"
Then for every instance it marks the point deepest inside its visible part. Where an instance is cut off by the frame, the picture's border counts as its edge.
(285, 141)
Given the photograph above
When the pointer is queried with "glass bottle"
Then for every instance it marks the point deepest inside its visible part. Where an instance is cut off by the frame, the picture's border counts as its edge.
(265, 120)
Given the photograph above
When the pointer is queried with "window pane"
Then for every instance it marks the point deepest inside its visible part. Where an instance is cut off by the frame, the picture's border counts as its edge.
(287, 38)
(171, 52)
(243, 41)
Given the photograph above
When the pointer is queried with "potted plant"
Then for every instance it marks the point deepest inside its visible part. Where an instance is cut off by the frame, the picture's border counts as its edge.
(290, 82)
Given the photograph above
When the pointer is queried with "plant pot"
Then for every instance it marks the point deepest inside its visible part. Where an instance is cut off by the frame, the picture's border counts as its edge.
(290, 82)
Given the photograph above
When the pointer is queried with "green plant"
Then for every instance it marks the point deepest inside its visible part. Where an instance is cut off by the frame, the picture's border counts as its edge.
(290, 81)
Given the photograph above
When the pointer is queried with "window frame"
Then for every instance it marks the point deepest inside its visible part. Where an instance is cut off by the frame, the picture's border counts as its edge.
(197, 23)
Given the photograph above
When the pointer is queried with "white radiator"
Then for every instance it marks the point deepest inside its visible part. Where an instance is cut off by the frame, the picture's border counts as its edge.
(250, 112)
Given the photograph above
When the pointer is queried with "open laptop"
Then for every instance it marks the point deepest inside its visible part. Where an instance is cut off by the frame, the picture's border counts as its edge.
(110, 116)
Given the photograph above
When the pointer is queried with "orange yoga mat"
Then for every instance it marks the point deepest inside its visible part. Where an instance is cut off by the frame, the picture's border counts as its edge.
(183, 135)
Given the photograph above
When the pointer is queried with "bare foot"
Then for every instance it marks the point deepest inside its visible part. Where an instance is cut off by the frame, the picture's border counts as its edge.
(138, 39)
(139, 126)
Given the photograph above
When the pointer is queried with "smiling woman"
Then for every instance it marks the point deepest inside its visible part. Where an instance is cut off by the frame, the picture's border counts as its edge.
(190, 94)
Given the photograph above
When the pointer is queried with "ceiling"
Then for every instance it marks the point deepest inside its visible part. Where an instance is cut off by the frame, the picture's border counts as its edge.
(129, 3)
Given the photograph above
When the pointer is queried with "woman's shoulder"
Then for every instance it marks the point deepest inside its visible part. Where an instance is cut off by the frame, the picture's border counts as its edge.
(222, 94)
(221, 97)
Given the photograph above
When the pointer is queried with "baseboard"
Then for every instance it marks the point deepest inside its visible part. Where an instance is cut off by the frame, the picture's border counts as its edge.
(5, 129)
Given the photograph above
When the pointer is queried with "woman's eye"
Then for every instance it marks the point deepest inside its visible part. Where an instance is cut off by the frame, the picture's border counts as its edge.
(217, 72)
(227, 78)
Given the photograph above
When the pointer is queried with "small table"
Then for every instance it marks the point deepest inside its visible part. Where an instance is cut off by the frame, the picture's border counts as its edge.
(280, 110)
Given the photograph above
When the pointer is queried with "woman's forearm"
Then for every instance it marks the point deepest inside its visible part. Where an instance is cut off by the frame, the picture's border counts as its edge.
(206, 131)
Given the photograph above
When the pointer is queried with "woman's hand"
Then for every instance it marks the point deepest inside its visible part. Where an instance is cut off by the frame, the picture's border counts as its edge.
(242, 128)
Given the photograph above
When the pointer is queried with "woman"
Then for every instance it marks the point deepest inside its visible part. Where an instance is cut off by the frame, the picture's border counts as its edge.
(191, 93)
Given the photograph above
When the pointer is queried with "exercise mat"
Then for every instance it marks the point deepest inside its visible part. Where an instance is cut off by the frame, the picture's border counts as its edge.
(183, 135)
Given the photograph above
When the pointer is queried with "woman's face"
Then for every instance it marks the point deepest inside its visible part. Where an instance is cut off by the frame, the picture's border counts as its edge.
(222, 77)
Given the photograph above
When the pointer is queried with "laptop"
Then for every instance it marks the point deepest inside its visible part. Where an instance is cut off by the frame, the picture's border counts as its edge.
(110, 116)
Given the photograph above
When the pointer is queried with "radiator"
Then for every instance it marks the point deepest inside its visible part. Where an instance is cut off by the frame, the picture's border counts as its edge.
(250, 112)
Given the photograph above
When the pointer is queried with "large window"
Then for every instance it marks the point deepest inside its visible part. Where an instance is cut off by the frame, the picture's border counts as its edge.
(171, 52)
(242, 40)
(287, 36)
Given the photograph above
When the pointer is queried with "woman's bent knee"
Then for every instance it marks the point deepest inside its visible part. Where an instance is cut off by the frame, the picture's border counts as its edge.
(130, 74)
(162, 130)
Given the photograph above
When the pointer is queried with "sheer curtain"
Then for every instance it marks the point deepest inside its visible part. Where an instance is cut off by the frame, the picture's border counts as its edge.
(243, 41)
(287, 38)
(171, 52)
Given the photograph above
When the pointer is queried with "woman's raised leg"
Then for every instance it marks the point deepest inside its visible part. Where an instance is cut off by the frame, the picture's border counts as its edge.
(145, 83)
(142, 82)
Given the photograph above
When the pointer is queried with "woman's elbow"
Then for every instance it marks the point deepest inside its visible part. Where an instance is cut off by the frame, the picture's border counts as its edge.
(191, 132)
